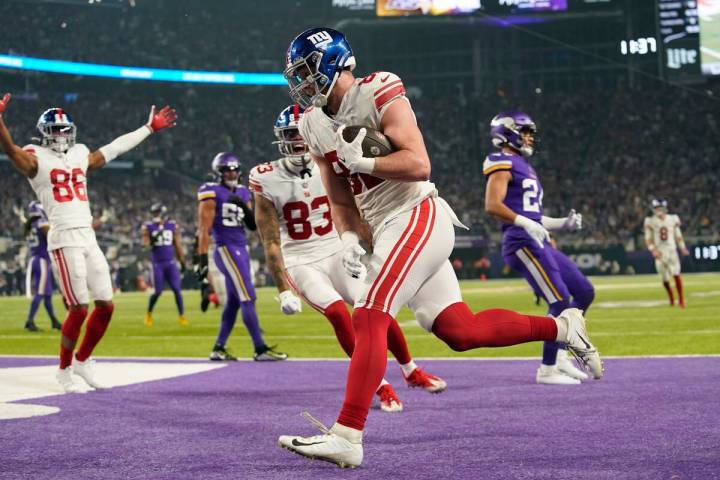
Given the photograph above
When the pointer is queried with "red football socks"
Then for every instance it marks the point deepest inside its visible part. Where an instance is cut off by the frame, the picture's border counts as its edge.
(679, 286)
(340, 319)
(397, 344)
(668, 288)
(70, 333)
(97, 324)
(463, 330)
(367, 365)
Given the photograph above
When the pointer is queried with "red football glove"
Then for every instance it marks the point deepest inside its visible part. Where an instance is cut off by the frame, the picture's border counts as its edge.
(3, 103)
(165, 118)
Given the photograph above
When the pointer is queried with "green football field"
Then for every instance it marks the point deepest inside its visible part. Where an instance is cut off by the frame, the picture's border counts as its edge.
(630, 316)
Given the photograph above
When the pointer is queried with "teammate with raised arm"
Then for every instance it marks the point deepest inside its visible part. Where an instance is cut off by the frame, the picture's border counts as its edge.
(663, 237)
(39, 281)
(225, 209)
(303, 250)
(162, 236)
(57, 171)
(514, 196)
(412, 234)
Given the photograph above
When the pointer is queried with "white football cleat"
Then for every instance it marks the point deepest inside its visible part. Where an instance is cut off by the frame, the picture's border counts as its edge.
(566, 366)
(328, 447)
(86, 371)
(64, 378)
(578, 342)
(389, 401)
(550, 375)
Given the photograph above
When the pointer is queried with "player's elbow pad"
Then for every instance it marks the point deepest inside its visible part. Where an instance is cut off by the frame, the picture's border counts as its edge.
(124, 143)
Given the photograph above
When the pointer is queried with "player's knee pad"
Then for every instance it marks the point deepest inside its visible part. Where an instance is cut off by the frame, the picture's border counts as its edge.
(449, 324)
(370, 323)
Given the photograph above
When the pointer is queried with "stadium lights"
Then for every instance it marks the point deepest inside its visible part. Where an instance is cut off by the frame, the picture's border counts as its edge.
(139, 73)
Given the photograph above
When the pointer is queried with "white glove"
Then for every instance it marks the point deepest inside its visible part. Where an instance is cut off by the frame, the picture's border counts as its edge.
(573, 221)
(351, 155)
(289, 303)
(352, 252)
(534, 229)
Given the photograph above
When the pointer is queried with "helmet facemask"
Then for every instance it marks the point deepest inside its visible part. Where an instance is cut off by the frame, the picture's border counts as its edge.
(230, 183)
(309, 86)
(59, 137)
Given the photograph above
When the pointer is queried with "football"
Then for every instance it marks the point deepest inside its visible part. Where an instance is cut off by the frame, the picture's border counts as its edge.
(375, 144)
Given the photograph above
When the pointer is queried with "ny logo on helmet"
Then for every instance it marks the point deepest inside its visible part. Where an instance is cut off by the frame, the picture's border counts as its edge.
(320, 39)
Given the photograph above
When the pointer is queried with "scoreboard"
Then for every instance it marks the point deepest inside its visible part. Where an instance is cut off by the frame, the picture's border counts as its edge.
(679, 34)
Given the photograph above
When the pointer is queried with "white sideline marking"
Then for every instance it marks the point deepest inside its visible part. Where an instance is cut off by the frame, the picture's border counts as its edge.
(25, 383)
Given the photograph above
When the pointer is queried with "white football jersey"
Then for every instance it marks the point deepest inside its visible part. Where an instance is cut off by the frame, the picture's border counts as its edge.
(61, 187)
(307, 233)
(364, 104)
(662, 232)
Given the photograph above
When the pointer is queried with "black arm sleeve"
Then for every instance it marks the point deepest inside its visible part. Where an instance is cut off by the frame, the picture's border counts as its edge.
(249, 218)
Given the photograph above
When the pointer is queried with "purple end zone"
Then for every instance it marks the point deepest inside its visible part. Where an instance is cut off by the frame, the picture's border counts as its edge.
(648, 419)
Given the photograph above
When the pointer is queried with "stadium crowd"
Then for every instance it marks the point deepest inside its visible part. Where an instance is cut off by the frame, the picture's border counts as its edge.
(605, 155)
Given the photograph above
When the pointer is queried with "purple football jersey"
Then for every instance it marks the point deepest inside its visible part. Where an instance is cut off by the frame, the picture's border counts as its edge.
(228, 227)
(37, 239)
(162, 240)
(524, 194)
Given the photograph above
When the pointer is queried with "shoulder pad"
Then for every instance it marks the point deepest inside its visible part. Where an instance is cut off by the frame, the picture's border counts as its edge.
(495, 162)
(385, 87)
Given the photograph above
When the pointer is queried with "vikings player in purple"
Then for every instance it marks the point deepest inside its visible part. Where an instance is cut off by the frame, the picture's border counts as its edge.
(514, 196)
(163, 237)
(225, 209)
(39, 276)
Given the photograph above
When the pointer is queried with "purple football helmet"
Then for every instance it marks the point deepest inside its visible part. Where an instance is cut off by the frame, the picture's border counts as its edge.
(505, 129)
(226, 162)
(313, 63)
(36, 210)
(158, 211)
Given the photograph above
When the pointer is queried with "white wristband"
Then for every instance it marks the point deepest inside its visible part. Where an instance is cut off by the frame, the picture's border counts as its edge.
(125, 143)
(349, 238)
(551, 223)
(523, 222)
(366, 165)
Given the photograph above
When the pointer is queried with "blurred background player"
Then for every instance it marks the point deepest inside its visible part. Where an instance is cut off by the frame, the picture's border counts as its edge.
(302, 249)
(163, 237)
(405, 261)
(39, 281)
(663, 237)
(225, 209)
(514, 196)
(57, 171)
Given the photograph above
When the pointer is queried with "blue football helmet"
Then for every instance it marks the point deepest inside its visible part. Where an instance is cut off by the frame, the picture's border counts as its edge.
(158, 211)
(226, 162)
(313, 63)
(659, 203)
(505, 129)
(289, 141)
(57, 130)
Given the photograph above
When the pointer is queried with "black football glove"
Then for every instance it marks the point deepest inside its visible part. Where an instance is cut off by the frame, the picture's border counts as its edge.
(248, 214)
(201, 269)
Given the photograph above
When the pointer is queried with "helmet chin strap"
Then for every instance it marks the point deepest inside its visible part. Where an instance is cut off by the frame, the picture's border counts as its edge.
(527, 151)
(303, 167)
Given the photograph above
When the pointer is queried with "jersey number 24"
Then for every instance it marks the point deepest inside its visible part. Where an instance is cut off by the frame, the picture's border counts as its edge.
(531, 201)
